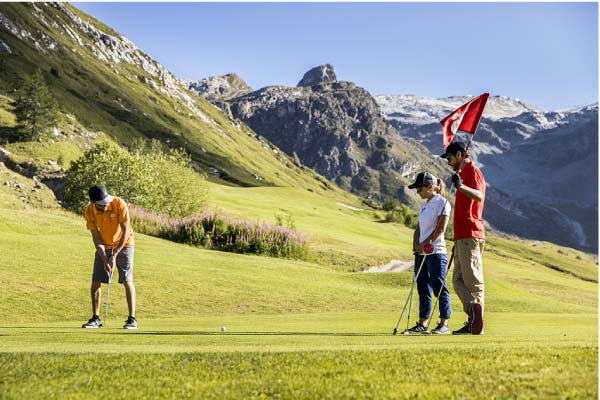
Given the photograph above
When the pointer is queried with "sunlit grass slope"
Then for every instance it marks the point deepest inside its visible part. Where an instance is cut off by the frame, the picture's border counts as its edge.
(46, 265)
(115, 98)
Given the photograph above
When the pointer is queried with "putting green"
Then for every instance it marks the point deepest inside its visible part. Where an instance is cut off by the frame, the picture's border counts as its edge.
(319, 355)
(294, 332)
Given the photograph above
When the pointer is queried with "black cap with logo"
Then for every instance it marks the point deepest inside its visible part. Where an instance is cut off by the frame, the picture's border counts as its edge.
(423, 179)
(454, 148)
(99, 195)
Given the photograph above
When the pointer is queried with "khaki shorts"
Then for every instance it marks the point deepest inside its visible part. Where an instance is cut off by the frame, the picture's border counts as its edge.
(124, 266)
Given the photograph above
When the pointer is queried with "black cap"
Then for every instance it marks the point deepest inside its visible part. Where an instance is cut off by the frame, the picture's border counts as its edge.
(423, 179)
(453, 148)
(99, 195)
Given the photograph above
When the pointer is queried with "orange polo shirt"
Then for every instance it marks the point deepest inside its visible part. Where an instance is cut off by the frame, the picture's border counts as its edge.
(108, 223)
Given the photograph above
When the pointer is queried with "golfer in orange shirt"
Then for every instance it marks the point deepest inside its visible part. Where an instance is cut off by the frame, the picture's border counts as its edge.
(107, 218)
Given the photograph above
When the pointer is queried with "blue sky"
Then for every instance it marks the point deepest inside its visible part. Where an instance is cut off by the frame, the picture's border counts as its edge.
(545, 54)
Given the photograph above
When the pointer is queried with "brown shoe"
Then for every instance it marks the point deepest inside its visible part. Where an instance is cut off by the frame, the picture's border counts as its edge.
(477, 324)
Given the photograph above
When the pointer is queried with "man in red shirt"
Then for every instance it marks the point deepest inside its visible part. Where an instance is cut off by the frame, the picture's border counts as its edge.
(469, 236)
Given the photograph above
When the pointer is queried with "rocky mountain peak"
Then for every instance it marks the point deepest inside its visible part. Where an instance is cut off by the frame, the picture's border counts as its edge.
(318, 75)
(219, 88)
(337, 129)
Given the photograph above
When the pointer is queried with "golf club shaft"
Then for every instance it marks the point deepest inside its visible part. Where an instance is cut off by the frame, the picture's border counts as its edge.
(410, 294)
(412, 290)
(107, 296)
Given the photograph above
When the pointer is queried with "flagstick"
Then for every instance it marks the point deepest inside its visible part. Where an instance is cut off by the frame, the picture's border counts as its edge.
(466, 151)
(470, 140)
(468, 146)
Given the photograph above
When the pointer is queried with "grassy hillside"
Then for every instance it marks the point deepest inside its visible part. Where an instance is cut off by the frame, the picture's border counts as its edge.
(18, 192)
(117, 98)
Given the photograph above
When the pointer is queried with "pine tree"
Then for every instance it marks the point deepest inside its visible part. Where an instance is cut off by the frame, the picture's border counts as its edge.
(35, 109)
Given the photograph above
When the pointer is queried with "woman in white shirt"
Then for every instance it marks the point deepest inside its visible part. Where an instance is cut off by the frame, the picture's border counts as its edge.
(428, 242)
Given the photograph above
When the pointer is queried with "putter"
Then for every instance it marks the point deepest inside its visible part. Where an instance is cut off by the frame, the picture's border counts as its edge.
(107, 295)
(442, 287)
(412, 286)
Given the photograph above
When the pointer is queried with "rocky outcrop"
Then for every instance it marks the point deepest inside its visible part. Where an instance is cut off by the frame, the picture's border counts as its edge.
(4, 48)
(337, 129)
(219, 88)
(50, 174)
(319, 75)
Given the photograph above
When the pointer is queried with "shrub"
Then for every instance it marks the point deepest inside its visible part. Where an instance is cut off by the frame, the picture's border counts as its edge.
(391, 204)
(400, 213)
(177, 188)
(162, 182)
(215, 231)
(286, 221)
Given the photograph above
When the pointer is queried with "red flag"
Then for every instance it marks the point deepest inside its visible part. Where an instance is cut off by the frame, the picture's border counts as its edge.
(465, 118)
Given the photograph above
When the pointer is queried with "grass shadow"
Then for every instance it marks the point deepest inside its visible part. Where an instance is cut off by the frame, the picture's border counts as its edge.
(207, 333)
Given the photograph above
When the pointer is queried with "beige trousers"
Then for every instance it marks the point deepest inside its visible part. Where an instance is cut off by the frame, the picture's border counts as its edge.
(467, 277)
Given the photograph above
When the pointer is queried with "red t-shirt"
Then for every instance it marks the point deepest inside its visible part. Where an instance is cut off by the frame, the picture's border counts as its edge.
(468, 222)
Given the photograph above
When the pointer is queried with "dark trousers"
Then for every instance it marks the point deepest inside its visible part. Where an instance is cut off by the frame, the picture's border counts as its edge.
(431, 278)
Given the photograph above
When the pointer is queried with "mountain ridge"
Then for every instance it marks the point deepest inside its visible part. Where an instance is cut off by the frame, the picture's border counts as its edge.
(109, 85)
(336, 128)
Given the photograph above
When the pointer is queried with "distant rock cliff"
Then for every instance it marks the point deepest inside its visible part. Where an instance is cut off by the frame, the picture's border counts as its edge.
(319, 75)
(337, 129)
(219, 88)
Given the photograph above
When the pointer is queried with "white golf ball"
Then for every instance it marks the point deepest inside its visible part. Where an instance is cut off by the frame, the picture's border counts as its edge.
(223, 329)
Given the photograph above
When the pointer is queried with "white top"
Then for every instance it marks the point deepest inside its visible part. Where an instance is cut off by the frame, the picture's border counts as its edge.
(428, 219)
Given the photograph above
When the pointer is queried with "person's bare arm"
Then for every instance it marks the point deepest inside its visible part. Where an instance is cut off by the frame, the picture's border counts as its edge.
(473, 194)
(101, 250)
(126, 228)
(416, 236)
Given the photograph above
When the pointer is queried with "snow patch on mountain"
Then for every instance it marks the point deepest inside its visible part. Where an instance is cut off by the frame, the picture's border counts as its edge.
(412, 109)
(521, 149)
(4, 48)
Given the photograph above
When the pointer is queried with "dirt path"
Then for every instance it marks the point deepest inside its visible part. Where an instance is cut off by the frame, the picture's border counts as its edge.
(392, 266)
(349, 206)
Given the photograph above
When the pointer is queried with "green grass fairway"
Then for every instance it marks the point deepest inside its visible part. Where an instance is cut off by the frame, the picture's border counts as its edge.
(318, 355)
(294, 329)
